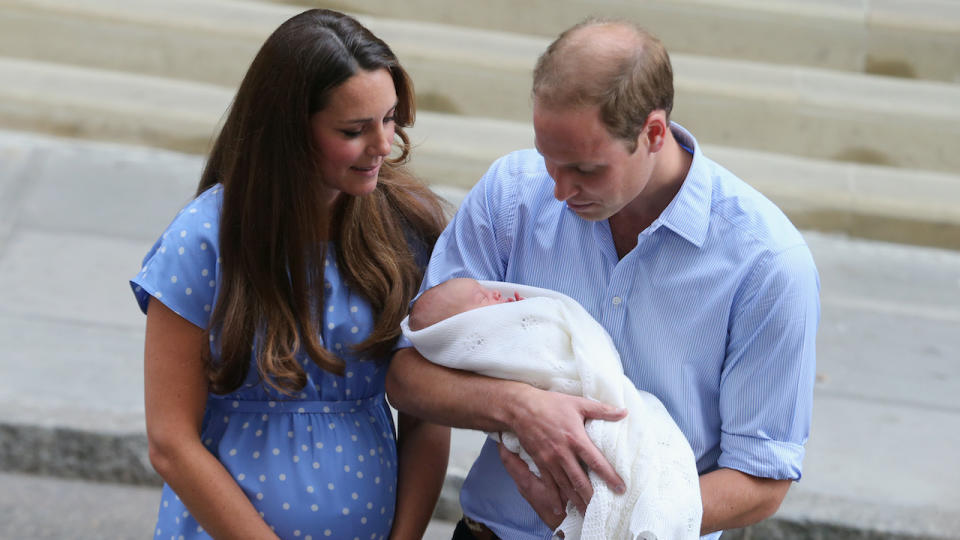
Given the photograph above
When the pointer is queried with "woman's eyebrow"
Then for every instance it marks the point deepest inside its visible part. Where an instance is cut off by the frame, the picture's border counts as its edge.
(370, 119)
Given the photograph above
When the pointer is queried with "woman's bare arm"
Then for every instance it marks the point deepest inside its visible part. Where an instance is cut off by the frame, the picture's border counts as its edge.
(175, 392)
(422, 450)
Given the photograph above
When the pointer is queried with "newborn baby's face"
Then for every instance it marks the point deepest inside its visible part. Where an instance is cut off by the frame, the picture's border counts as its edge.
(453, 297)
(477, 296)
(473, 295)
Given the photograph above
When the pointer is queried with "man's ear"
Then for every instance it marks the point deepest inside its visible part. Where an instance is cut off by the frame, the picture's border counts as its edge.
(654, 131)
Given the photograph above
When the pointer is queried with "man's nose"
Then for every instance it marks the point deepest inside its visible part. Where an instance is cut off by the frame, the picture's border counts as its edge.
(563, 188)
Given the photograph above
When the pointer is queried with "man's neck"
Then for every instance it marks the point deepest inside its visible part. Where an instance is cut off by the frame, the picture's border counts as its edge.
(670, 170)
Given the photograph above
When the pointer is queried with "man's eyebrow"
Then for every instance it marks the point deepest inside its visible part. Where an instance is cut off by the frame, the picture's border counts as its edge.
(570, 164)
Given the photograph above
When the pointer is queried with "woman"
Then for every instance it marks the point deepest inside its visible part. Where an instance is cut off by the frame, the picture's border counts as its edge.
(275, 297)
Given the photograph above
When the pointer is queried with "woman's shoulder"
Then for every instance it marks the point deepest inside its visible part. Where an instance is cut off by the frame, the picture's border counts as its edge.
(196, 225)
(204, 208)
(180, 269)
(195, 228)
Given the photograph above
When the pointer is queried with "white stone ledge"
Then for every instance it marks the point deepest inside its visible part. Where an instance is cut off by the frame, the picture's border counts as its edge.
(455, 150)
(785, 109)
(914, 38)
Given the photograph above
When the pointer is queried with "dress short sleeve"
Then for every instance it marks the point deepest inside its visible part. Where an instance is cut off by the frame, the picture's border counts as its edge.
(181, 268)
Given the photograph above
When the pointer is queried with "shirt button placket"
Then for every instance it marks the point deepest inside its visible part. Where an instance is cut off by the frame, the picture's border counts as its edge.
(614, 310)
(612, 315)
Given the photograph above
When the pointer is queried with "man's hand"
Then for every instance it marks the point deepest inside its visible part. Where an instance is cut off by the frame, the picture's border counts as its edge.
(550, 427)
(541, 493)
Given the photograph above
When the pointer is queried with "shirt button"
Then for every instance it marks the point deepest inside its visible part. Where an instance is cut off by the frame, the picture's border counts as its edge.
(617, 300)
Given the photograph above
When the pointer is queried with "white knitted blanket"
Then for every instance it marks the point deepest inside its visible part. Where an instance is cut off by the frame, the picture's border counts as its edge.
(552, 343)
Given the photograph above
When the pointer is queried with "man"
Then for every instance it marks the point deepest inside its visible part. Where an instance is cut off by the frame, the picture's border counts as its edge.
(709, 292)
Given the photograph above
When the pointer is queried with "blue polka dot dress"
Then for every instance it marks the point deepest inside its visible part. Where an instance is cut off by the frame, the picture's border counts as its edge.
(321, 465)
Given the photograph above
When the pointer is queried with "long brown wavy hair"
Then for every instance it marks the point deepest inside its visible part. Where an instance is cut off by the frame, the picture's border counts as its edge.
(275, 224)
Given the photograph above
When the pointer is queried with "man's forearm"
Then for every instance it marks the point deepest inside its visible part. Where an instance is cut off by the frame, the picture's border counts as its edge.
(450, 397)
(732, 499)
(461, 399)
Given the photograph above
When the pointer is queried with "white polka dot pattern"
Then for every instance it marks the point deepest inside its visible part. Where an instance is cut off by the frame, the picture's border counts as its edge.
(295, 460)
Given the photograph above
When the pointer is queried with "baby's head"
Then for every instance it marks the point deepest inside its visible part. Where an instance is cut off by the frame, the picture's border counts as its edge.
(450, 298)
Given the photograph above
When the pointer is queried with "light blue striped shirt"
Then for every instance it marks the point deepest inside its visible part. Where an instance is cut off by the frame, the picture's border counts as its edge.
(714, 311)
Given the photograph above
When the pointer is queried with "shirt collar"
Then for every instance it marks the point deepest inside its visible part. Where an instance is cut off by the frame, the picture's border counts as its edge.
(688, 214)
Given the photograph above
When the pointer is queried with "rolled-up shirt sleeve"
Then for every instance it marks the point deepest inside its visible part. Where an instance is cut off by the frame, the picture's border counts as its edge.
(477, 241)
(470, 245)
(766, 386)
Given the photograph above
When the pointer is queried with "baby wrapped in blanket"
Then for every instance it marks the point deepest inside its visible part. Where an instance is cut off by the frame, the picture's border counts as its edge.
(550, 341)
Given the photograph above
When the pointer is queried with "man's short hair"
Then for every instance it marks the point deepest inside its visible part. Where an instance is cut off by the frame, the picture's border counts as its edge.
(628, 79)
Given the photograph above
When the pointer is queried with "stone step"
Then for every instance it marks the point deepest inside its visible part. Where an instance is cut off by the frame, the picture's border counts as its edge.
(776, 108)
(903, 205)
(905, 38)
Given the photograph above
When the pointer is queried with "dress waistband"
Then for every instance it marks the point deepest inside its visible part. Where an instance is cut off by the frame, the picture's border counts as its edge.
(294, 406)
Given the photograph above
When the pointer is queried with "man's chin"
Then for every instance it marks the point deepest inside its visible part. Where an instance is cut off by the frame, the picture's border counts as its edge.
(589, 212)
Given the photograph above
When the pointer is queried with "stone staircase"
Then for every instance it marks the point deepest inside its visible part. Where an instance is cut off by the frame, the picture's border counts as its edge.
(838, 149)
(846, 113)
(915, 39)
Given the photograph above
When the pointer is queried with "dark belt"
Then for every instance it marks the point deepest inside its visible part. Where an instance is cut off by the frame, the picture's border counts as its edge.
(468, 529)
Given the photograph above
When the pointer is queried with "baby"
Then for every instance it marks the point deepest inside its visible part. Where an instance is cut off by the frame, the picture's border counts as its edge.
(452, 297)
(551, 342)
